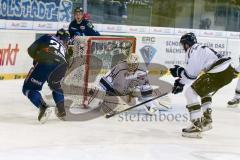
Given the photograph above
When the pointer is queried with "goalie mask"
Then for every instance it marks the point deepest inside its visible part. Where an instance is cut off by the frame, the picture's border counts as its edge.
(132, 62)
(126, 48)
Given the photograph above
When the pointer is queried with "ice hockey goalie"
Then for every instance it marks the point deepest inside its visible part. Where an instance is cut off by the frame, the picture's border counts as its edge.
(129, 78)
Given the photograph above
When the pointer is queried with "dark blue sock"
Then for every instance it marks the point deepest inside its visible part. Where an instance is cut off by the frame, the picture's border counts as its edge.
(58, 96)
(35, 97)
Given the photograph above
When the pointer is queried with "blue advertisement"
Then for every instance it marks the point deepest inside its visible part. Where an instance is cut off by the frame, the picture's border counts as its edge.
(36, 10)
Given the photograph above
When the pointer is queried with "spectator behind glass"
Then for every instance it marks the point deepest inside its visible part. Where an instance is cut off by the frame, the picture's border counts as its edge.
(115, 11)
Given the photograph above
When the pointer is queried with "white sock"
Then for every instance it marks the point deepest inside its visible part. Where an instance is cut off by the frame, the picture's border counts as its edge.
(205, 106)
(195, 114)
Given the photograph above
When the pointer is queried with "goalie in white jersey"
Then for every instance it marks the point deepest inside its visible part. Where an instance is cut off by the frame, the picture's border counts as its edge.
(217, 72)
(129, 78)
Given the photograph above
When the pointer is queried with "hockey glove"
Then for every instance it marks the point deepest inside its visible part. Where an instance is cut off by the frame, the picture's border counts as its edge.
(176, 71)
(178, 87)
(69, 56)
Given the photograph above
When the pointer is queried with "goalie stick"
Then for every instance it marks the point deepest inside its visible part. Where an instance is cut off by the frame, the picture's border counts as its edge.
(113, 113)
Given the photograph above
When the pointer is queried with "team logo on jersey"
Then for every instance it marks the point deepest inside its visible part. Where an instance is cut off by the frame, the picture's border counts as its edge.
(90, 25)
(82, 27)
(148, 53)
(36, 81)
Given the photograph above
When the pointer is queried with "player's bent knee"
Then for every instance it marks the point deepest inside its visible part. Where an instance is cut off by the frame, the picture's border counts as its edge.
(191, 96)
(25, 90)
(54, 86)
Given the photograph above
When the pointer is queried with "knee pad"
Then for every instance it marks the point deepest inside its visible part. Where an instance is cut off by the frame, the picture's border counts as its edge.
(54, 80)
(33, 95)
(25, 90)
(54, 86)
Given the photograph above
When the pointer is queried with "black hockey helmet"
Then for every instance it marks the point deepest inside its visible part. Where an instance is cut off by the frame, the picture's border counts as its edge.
(78, 9)
(188, 38)
(63, 35)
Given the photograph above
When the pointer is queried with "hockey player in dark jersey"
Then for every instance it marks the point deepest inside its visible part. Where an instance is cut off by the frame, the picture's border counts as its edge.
(80, 26)
(49, 54)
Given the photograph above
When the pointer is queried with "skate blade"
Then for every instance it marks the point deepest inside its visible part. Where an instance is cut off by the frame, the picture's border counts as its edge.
(62, 118)
(233, 106)
(192, 135)
(45, 116)
(207, 128)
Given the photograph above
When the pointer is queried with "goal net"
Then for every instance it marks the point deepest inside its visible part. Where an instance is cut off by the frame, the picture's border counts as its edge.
(92, 58)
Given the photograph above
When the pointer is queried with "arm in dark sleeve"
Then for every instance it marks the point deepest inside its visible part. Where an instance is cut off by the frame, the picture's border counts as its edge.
(33, 49)
(37, 47)
(90, 30)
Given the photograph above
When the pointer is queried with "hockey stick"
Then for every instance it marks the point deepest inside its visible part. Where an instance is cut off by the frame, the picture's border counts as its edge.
(164, 105)
(109, 115)
(115, 103)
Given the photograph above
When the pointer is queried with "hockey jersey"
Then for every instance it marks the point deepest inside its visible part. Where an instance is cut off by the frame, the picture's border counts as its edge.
(120, 80)
(48, 49)
(201, 58)
(84, 28)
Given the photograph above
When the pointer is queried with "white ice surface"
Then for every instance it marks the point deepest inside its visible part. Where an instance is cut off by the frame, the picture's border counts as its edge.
(22, 138)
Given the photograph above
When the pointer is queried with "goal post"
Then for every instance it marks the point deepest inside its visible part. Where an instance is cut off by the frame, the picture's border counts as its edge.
(92, 58)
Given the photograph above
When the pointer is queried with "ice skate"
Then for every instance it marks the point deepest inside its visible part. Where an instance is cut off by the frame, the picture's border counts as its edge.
(60, 111)
(207, 120)
(233, 103)
(194, 131)
(44, 113)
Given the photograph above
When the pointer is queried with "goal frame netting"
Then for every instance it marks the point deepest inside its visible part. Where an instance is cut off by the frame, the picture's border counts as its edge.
(87, 50)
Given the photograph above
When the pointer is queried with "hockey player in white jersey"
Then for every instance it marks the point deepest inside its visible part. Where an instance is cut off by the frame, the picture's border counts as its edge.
(129, 78)
(236, 99)
(217, 72)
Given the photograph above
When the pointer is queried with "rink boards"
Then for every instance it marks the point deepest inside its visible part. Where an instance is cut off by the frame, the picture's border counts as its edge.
(162, 48)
